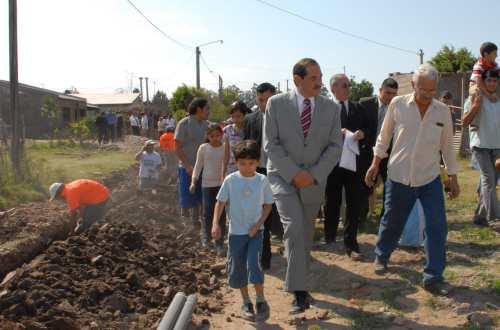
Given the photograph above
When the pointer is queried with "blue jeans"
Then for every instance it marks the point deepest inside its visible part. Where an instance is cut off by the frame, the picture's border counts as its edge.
(209, 199)
(243, 260)
(399, 201)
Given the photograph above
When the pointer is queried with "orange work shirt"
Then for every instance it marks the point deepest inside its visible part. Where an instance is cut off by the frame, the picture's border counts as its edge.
(167, 142)
(84, 192)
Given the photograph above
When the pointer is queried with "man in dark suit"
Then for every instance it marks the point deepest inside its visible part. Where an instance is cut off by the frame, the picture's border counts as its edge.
(352, 119)
(252, 130)
(374, 109)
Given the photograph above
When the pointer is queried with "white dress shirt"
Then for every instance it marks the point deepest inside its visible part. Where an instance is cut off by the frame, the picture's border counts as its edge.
(300, 103)
(417, 142)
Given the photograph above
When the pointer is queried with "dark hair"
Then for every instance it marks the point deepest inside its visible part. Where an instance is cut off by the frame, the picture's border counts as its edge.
(389, 83)
(446, 94)
(170, 129)
(246, 149)
(197, 102)
(300, 68)
(264, 87)
(239, 106)
(492, 73)
(487, 48)
(212, 127)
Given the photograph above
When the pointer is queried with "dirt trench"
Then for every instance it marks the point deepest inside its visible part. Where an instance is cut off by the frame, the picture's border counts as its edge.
(121, 274)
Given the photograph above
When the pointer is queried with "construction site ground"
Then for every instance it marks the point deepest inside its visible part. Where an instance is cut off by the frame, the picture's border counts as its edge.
(123, 273)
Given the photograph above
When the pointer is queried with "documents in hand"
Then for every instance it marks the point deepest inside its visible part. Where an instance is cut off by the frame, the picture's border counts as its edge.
(349, 152)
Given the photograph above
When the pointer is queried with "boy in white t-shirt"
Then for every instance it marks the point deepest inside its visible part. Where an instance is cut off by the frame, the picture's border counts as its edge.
(249, 198)
(150, 164)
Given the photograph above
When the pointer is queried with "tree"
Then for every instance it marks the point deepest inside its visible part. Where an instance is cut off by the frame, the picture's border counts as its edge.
(249, 96)
(447, 59)
(230, 94)
(358, 90)
(183, 95)
(50, 111)
(136, 90)
(325, 92)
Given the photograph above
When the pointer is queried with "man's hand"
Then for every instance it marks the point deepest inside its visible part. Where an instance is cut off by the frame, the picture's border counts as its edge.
(216, 231)
(359, 135)
(192, 188)
(343, 131)
(253, 231)
(497, 164)
(303, 179)
(452, 187)
(371, 175)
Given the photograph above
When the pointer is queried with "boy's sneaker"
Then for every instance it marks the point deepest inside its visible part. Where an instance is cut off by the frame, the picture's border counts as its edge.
(247, 312)
(262, 311)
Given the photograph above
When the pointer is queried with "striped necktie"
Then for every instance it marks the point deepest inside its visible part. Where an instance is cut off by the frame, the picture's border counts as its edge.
(305, 117)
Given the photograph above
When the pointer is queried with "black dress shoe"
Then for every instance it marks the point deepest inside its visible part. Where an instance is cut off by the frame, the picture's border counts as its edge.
(299, 304)
(437, 288)
(310, 301)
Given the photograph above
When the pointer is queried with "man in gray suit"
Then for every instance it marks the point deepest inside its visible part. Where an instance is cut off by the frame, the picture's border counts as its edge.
(303, 142)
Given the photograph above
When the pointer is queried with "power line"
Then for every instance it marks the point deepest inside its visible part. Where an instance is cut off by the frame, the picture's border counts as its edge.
(213, 73)
(183, 45)
(336, 29)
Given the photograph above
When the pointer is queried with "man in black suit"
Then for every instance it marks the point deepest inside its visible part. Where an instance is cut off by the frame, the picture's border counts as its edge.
(375, 108)
(353, 120)
(252, 130)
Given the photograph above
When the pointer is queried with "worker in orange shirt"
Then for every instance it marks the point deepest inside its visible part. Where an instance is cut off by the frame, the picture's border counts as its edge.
(167, 147)
(86, 200)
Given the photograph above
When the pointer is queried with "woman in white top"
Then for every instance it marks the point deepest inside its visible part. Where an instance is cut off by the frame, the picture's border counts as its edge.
(209, 159)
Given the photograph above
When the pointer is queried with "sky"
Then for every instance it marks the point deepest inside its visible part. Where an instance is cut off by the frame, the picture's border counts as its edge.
(103, 45)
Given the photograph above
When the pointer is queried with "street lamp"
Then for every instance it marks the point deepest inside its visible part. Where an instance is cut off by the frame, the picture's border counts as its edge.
(198, 53)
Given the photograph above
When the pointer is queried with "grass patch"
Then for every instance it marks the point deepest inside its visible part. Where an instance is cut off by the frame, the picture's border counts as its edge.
(364, 320)
(432, 302)
(51, 161)
(450, 275)
(472, 233)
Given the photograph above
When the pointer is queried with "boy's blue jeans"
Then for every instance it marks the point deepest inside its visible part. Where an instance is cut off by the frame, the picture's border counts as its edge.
(399, 201)
(243, 260)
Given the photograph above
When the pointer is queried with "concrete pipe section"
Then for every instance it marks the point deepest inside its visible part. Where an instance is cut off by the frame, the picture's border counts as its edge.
(186, 313)
(173, 311)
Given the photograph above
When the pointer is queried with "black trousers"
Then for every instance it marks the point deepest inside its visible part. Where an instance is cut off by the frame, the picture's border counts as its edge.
(383, 174)
(272, 225)
(341, 178)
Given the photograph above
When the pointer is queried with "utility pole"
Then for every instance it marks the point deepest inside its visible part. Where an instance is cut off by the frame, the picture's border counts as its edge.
(279, 90)
(147, 90)
(16, 145)
(421, 54)
(198, 53)
(142, 94)
(221, 88)
(287, 90)
(344, 69)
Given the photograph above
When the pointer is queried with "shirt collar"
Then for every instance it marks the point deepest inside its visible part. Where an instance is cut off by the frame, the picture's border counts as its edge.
(411, 100)
(301, 98)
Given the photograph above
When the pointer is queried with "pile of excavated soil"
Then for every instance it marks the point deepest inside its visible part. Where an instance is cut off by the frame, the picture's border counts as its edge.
(122, 273)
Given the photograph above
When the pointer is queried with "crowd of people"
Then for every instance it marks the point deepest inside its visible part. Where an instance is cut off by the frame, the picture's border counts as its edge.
(270, 171)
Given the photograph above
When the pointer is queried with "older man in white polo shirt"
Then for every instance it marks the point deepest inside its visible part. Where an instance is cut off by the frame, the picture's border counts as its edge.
(422, 131)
